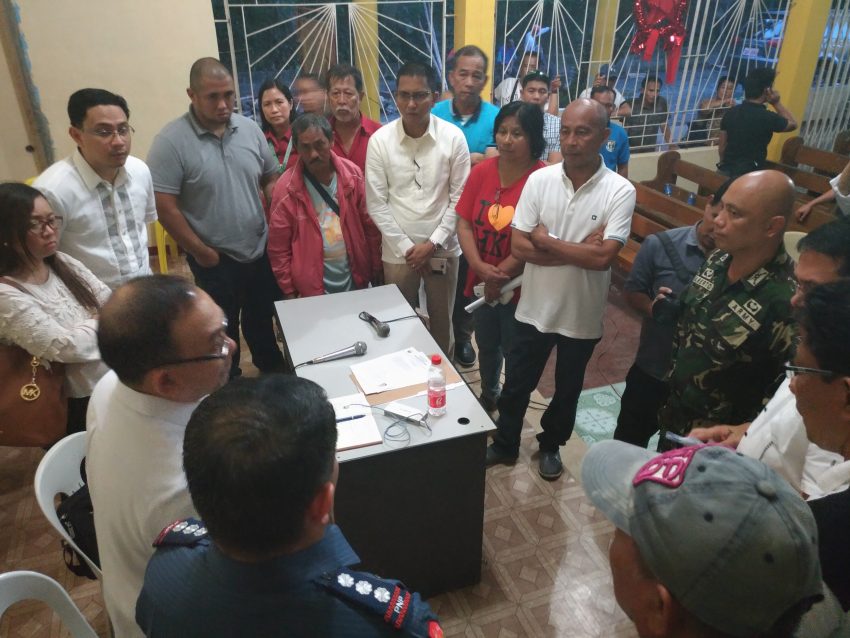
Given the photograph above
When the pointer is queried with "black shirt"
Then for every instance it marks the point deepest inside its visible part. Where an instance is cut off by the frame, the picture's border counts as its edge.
(749, 127)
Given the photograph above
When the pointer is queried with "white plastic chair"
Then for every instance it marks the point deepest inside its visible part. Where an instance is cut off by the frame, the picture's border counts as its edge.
(59, 471)
(18, 586)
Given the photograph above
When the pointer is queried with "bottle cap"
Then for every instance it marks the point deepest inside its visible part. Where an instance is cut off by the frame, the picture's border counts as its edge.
(436, 359)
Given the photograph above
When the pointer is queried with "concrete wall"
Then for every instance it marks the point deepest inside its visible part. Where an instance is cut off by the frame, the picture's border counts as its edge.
(15, 162)
(139, 49)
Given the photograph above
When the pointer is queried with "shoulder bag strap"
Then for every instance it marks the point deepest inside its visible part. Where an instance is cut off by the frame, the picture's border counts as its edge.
(322, 191)
(682, 272)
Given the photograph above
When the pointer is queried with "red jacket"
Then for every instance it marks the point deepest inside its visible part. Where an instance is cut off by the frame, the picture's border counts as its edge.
(295, 238)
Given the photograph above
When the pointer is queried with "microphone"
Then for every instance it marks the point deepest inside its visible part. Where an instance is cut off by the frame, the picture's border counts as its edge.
(383, 329)
(357, 349)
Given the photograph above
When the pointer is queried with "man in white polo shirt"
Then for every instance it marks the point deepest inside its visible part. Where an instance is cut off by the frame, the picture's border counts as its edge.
(570, 222)
(104, 195)
(416, 167)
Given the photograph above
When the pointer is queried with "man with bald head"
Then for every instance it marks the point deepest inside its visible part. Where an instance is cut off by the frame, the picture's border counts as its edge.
(208, 168)
(735, 329)
(570, 222)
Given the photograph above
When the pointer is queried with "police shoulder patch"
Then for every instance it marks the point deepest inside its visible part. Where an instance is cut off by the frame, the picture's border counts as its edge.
(389, 599)
(186, 532)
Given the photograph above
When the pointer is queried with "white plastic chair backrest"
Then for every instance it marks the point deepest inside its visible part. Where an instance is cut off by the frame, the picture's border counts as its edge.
(59, 471)
(22, 585)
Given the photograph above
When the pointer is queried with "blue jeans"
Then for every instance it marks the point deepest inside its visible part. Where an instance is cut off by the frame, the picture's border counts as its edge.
(494, 334)
(525, 364)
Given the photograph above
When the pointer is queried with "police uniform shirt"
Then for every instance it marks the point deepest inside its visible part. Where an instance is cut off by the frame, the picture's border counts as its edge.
(195, 590)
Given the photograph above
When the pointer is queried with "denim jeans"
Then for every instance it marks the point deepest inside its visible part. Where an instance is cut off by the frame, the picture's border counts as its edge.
(494, 334)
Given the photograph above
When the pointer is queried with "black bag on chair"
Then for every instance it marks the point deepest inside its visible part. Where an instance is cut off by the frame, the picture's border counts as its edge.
(77, 516)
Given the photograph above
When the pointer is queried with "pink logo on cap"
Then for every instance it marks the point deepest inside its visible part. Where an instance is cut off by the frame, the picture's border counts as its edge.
(667, 469)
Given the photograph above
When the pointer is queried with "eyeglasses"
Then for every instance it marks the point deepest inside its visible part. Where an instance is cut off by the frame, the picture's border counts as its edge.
(38, 226)
(107, 133)
(221, 354)
(419, 96)
(792, 371)
(416, 174)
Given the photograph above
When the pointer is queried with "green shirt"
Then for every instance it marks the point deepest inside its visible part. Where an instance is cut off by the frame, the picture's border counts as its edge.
(730, 344)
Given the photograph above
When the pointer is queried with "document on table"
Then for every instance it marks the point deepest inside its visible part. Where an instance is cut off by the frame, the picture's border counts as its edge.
(356, 426)
(392, 371)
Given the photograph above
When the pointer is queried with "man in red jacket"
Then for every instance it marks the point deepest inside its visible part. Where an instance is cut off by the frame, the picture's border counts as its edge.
(321, 239)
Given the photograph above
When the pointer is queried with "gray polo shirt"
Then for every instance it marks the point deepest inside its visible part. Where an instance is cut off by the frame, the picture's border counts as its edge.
(217, 181)
(651, 270)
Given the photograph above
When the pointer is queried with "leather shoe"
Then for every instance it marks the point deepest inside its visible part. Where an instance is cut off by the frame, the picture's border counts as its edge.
(489, 405)
(496, 457)
(464, 354)
(550, 465)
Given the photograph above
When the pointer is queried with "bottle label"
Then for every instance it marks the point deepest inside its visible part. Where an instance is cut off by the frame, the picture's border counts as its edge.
(436, 398)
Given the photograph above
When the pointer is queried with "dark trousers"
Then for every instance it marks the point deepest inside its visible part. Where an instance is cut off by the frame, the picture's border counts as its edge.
(462, 322)
(247, 292)
(643, 397)
(77, 409)
(524, 365)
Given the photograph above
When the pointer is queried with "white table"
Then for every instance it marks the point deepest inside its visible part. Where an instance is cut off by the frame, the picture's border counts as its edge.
(415, 512)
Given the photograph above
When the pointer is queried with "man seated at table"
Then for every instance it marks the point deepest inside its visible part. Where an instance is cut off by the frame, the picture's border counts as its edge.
(266, 559)
(321, 238)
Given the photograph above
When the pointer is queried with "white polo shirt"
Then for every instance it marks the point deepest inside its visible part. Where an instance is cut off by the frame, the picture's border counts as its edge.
(105, 224)
(570, 300)
(842, 199)
(413, 185)
(135, 475)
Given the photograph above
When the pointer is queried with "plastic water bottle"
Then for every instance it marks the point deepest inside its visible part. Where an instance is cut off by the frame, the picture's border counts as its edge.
(436, 387)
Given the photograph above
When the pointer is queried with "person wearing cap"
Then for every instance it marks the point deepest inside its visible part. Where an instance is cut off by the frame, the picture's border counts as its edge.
(265, 558)
(777, 436)
(607, 76)
(707, 542)
(735, 328)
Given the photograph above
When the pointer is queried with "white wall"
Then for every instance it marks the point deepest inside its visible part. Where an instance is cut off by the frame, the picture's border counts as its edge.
(141, 49)
(644, 166)
(15, 163)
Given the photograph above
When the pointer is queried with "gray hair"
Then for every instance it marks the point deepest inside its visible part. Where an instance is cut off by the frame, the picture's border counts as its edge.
(308, 121)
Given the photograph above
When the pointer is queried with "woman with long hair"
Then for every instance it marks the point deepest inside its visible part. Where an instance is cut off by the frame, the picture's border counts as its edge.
(275, 101)
(48, 301)
(485, 211)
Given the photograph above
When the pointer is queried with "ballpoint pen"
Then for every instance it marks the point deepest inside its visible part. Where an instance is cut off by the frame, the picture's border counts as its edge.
(350, 418)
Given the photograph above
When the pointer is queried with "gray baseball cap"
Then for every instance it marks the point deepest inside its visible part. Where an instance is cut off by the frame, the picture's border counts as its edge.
(730, 539)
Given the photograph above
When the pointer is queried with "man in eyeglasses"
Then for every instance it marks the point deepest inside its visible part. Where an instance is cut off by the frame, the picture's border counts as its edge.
(104, 194)
(735, 328)
(166, 343)
(416, 167)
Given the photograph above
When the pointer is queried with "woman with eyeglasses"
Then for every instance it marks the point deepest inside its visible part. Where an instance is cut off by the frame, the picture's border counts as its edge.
(275, 101)
(485, 211)
(48, 301)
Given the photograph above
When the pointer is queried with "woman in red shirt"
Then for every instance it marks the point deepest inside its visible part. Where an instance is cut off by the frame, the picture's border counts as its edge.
(275, 101)
(485, 211)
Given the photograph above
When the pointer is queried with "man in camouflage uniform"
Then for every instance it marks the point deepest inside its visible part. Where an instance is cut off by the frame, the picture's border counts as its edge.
(735, 329)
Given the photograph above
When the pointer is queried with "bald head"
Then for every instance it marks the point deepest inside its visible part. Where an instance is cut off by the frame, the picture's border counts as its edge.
(771, 191)
(587, 110)
(206, 68)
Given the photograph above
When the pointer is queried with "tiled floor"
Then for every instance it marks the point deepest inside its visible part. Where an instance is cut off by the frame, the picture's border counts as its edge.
(545, 547)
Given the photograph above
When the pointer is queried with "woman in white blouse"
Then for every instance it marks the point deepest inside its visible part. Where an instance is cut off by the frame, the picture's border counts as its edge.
(56, 318)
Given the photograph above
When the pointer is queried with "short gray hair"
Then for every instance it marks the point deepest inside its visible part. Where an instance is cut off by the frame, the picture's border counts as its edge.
(308, 121)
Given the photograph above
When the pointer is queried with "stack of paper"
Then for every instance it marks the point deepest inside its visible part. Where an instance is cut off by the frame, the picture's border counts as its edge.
(356, 426)
(392, 371)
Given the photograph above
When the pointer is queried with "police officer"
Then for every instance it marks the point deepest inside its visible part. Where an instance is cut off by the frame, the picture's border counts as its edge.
(259, 457)
(735, 329)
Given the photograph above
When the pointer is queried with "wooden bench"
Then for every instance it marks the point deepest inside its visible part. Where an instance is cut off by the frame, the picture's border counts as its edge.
(671, 166)
(795, 152)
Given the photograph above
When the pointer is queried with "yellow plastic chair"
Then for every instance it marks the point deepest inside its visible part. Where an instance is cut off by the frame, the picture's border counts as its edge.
(164, 243)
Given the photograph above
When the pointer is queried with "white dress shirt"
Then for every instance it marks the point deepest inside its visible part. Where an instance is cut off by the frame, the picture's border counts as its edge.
(413, 185)
(105, 225)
